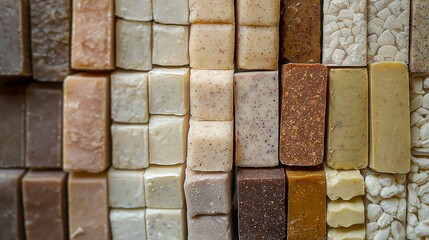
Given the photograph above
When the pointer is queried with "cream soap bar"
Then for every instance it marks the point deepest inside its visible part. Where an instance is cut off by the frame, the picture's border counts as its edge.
(166, 224)
(342, 213)
(419, 48)
(258, 12)
(137, 10)
(343, 184)
(126, 188)
(170, 45)
(210, 227)
(171, 11)
(356, 232)
(128, 224)
(214, 11)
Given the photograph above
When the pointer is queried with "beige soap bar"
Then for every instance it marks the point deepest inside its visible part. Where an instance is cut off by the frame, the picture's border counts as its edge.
(137, 10)
(347, 133)
(214, 11)
(128, 224)
(171, 11)
(342, 213)
(170, 45)
(389, 117)
(168, 224)
(344, 184)
(258, 12)
(126, 188)
(355, 232)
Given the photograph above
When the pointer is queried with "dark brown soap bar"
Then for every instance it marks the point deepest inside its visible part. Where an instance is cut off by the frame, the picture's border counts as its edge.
(14, 38)
(261, 203)
(11, 227)
(45, 209)
(303, 108)
(301, 31)
(44, 125)
(50, 39)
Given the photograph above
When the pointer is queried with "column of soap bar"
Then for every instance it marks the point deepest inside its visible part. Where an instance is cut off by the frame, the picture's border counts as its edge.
(419, 49)
(419, 108)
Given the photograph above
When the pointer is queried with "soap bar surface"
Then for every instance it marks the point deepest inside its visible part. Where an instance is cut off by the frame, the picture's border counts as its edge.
(171, 11)
(214, 227)
(170, 45)
(419, 48)
(126, 188)
(258, 12)
(165, 224)
(356, 232)
(344, 184)
(214, 11)
(342, 213)
(137, 10)
(128, 223)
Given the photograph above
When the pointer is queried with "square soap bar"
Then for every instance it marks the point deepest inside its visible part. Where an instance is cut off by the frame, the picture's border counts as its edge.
(342, 213)
(258, 12)
(211, 46)
(164, 186)
(137, 10)
(128, 224)
(356, 232)
(170, 45)
(214, 11)
(130, 146)
(419, 49)
(169, 91)
(171, 11)
(129, 97)
(211, 95)
(165, 224)
(126, 188)
(208, 193)
(167, 139)
(217, 227)
(210, 145)
(344, 184)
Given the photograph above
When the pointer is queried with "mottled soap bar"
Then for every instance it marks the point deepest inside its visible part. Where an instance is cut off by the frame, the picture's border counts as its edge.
(419, 48)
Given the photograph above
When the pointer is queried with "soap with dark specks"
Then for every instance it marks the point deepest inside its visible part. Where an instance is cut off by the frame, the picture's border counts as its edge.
(419, 48)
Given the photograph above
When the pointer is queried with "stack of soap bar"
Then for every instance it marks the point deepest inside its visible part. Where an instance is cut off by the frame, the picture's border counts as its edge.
(137, 10)
(303, 106)
(257, 115)
(170, 45)
(419, 108)
(389, 118)
(419, 49)
(126, 188)
(347, 132)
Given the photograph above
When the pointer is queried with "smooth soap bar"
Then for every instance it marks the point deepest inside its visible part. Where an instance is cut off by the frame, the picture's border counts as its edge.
(88, 206)
(419, 49)
(171, 11)
(303, 106)
(215, 227)
(301, 31)
(343, 184)
(137, 10)
(126, 188)
(215, 11)
(44, 121)
(389, 118)
(165, 224)
(170, 45)
(258, 12)
(44, 201)
(128, 224)
(256, 97)
(86, 123)
(347, 132)
(342, 213)
(50, 39)
(11, 219)
(356, 232)
(92, 46)
(306, 213)
(261, 203)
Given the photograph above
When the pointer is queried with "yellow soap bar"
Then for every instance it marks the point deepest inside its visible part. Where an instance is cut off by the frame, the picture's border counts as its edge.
(355, 232)
(344, 184)
(342, 213)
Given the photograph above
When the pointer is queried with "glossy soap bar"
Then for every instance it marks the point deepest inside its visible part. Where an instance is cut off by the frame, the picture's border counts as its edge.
(419, 48)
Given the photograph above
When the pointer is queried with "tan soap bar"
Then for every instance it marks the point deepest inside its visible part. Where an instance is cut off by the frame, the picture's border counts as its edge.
(344, 184)
(126, 188)
(342, 213)
(356, 232)
(214, 11)
(419, 48)
(389, 117)
(347, 133)
(137, 10)
(258, 12)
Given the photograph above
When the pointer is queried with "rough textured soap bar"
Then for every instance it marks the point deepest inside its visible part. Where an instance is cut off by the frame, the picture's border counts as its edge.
(342, 213)
(419, 48)
(344, 184)
(128, 224)
(216, 227)
(215, 11)
(303, 105)
(419, 107)
(137, 10)
(165, 224)
(258, 12)
(356, 232)
(126, 188)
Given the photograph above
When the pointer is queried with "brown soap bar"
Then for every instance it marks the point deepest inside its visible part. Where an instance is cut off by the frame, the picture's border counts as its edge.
(303, 107)
(88, 206)
(419, 48)
(12, 125)
(306, 214)
(44, 200)
(11, 227)
(14, 38)
(50, 39)
(44, 125)
(261, 203)
(301, 31)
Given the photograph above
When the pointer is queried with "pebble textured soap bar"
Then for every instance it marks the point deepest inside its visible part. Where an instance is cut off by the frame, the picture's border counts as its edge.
(301, 31)
(419, 48)
(261, 203)
(216, 227)
(343, 184)
(137, 10)
(342, 213)
(419, 107)
(128, 223)
(214, 11)
(303, 105)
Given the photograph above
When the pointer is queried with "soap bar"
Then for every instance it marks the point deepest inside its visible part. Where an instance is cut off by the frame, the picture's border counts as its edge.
(343, 184)
(389, 118)
(171, 11)
(50, 39)
(128, 223)
(15, 38)
(129, 97)
(306, 213)
(419, 106)
(137, 10)
(11, 219)
(342, 213)
(88, 206)
(301, 31)
(257, 116)
(126, 188)
(44, 197)
(356, 232)
(165, 224)
(218, 84)
(208, 193)
(44, 104)
(215, 11)
(261, 203)
(419, 49)
(216, 227)
(210, 145)
(92, 35)
(347, 132)
(303, 105)
(86, 123)
(258, 12)
(130, 146)
(163, 186)
(170, 45)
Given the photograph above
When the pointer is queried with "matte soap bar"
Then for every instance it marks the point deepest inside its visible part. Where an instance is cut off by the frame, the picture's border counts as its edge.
(216, 227)
(356, 232)
(419, 48)
(44, 194)
(344, 184)
(347, 136)
(303, 105)
(342, 213)
(390, 118)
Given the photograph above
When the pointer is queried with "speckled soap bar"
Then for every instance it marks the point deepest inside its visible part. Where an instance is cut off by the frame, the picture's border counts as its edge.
(419, 48)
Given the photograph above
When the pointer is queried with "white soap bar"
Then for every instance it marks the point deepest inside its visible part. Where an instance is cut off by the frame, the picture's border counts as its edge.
(128, 224)
(164, 186)
(213, 11)
(258, 12)
(342, 213)
(169, 91)
(211, 95)
(171, 11)
(344, 184)
(355, 232)
(168, 224)
(170, 45)
(138, 10)
(126, 188)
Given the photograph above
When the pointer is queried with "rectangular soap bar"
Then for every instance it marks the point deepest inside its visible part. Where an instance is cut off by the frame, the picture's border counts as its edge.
(215, 11)
(50, 39)
(210, 227)
(126, 188)
(165, 224)
(258, 12)
(256, 97)
(137, 10)
(86, 123)
(15, 38)
(88, 206)
(389, 118)
(303, 106)
(44, 121)
(347, 132)
(92, 35)
(44, 201)
(343, 184)
(419, 49)
(171, 12)
(306, 194)
(261, 203)
(419, 108)
(342, 213)
(301, 31)
(170, 45)
(11, 219)
(128, 223)
(356, 232)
